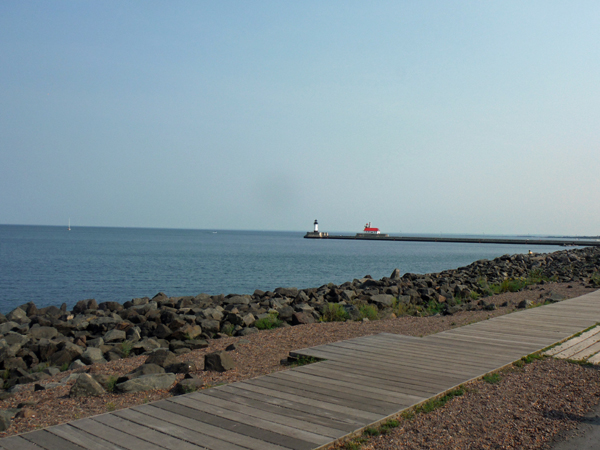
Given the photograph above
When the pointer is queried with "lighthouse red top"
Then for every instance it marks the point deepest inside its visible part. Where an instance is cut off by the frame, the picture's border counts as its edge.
(369, 229)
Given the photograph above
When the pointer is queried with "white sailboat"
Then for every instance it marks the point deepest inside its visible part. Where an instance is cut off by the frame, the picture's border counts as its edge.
(69, 224)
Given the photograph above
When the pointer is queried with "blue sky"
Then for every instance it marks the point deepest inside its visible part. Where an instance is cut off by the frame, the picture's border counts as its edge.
(451, 117)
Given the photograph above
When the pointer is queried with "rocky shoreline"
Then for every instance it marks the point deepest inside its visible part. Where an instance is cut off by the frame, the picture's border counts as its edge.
(35, 343)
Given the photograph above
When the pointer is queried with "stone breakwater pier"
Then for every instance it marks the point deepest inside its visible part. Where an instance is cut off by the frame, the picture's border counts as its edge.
(518, 241)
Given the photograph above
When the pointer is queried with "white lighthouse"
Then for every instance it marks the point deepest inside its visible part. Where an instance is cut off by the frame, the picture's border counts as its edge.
(316, 233)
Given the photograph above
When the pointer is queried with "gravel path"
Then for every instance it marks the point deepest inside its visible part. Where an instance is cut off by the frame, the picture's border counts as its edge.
(477, 423)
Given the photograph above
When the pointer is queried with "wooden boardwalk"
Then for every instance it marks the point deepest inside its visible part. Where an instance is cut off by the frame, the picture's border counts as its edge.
(362, 382)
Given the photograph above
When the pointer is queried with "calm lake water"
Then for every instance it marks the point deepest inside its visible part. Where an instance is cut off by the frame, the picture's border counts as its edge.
(50, 265)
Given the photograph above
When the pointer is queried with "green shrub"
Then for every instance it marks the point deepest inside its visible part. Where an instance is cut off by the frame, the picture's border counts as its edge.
(269, 322)
(369, 312)
(111, 383)
(126, 348)
(228, 329)
(334, 312)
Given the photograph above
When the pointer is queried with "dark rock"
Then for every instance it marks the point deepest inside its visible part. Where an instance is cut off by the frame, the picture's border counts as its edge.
(182, 367)
(382, 300)
(114, 335)
(110, 306)
(17, 315)
(147, 369)
(147, 383)
(93, 355)
(86, 386)
(300, 318)
(395, 274)
(218, 361)
(43, 332)
(195, 344)
(291, 292)
(188, 385)
(524, 304)
(84, 305)
(6, 416)
(162, 331)
(161, 357)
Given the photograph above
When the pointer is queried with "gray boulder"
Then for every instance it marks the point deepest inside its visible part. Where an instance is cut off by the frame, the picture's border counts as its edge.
(162, 358)
(86, 386)
(8, 326)
(114, 336)
(147, 383)
(238, 300)
(43, 332)
(93, 355)
(218, 362)
(6, 416)
(17, 315)
(382, 300)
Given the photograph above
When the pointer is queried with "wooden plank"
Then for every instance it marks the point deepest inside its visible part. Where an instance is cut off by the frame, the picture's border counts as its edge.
(262, 405)
(191, 402)
(424, 350)
(81, 438)
(341, 355)
(160, 438)
(380, 385)
(362, 416)
(587, 352)
(197, 422)
(594, 359)
(313, 377)
(403, 381)
(574, 341)
(261, 382)
(175, 427)
(295, 407)
(115, 436)
(475, 349)
(407, 383)
(18, 443)
(346, 398)
(281, 419)
(49, 441)
(467, 359)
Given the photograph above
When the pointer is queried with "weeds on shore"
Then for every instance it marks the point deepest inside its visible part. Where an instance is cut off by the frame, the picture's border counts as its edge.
(126, 347)
(269, 322)
(528, 359)
(595, 278)
(229, 329)
(492, 378)
(368, 312)
(334, 312)
(384, 428)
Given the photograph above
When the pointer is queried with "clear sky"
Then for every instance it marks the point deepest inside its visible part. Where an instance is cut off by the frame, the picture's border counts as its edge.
(421, 116)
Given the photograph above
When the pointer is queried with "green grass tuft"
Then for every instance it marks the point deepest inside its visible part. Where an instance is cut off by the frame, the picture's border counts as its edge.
(369, 312)
(492, 378)
(334, 312)
(269, 322)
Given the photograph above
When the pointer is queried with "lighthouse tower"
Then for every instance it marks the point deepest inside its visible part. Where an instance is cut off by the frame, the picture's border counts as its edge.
(316, 233)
